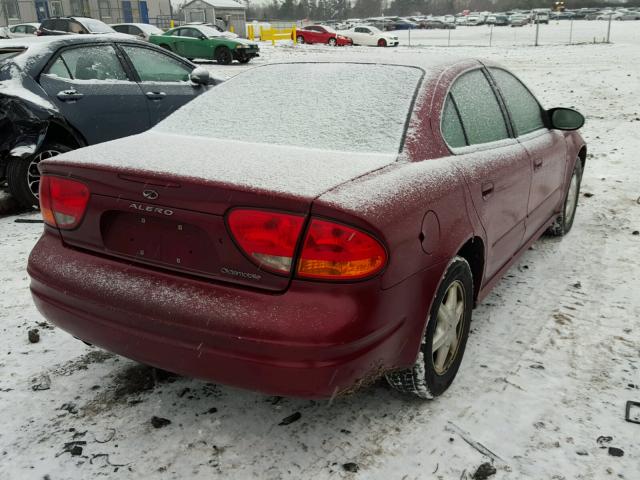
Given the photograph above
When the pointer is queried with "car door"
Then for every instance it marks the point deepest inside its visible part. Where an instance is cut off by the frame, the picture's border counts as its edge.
(92, 90)
(314, 35)
(495, 166)
(367, 37)
(547, 149)
(163, 79)
(192, 45)
(359, 35)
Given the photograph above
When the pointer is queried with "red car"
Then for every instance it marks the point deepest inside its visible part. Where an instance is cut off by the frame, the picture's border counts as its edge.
(308, 261)
(321, 34)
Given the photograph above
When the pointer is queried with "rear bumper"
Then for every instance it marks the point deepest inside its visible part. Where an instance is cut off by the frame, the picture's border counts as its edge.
(314, 341)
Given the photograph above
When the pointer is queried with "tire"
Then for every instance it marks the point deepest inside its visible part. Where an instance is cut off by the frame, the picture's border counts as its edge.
(300, 39)
(382, 42)
(563, 223)
(23, 175)
(244, 60)
(166, 47)
(430, 376)
(332, 42)
(223, 56)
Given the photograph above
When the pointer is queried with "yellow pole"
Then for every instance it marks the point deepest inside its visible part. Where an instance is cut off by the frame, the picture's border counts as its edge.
(231, 29)
(293, 32)
(172, 23)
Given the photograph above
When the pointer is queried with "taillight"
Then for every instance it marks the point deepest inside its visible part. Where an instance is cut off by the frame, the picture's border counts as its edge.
(62, 201)
(268, 238)
(333, 251)
(39, 33)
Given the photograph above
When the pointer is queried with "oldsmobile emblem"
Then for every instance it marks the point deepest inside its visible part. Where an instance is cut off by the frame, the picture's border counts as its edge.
(150, 194)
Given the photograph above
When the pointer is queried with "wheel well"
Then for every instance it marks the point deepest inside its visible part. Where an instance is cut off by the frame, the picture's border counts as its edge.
(582, 155)
(59, 134)
(473, 253)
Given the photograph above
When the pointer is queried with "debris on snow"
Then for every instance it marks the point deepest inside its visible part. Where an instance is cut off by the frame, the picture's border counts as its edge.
(616, 452)
(484, 471)
(351, 467)
(159, 422)
(291, 418)
(33, 335)
(41, 382)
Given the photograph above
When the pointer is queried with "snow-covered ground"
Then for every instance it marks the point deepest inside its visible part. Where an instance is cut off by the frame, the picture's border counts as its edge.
(553, 356)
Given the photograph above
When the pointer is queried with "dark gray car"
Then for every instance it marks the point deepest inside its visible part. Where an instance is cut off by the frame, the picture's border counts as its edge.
(59, 93)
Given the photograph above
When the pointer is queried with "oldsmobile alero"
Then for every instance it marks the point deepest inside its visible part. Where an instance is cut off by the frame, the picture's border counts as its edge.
(241, 242)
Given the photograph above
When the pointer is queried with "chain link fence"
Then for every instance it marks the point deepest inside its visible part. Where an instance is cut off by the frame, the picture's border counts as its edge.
(562, 32)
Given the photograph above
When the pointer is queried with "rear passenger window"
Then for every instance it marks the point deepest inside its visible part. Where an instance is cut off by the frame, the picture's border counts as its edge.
(524, 109)
(479, 109)
(452, 130)
(91, 63)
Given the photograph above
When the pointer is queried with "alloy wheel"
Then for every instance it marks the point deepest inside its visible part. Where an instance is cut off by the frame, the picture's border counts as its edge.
(572, 199)
(33, 174)
(447, 335)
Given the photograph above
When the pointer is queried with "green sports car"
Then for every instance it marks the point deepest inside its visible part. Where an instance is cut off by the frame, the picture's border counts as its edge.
(203, 41)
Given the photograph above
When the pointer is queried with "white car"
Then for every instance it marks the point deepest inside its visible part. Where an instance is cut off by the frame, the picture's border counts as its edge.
(141, 30)
(20, 30)
(372, 36)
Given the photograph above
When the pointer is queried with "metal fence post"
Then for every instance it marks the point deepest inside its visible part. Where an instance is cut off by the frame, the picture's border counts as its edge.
(537, 32)
(609, 29)
(409, 35)
(571, 31)
(449, 37)
(490, 34)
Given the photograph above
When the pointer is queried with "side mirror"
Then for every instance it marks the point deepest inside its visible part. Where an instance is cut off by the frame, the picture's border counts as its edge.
(200, 76)
(565, 119)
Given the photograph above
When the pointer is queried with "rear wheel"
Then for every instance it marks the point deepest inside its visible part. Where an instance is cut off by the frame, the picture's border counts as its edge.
(332, 42)
(563, 223)
(244, 60)
(382, 42)
(445, 338)
(223, 56)
(23, 176)
(300, 39)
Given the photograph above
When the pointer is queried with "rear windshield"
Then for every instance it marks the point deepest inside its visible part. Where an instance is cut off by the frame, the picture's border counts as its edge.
(6, 53)
(334, 106)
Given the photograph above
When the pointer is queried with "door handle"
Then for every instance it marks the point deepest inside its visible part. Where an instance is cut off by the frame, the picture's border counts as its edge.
(155, 95)
(537, 163)
(69, 95)
(487, 189)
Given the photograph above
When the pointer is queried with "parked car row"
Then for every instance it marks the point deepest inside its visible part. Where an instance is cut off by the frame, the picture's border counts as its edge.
(367, 35)
(61, 92)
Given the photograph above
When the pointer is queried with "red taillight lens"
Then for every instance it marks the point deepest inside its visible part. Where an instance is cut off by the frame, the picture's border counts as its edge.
(268, 238)
(337, 252)
(62, 201)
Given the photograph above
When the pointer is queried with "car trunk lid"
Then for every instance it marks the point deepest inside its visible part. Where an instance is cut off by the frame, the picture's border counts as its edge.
(161, 200)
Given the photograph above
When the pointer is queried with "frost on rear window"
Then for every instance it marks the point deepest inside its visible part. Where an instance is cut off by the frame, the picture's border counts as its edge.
(339, 106)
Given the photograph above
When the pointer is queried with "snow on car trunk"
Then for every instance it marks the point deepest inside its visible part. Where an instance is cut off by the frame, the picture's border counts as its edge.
(161, 199)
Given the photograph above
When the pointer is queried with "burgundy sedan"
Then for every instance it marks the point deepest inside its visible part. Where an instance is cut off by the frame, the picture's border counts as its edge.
(321, 34)
(233, 243)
